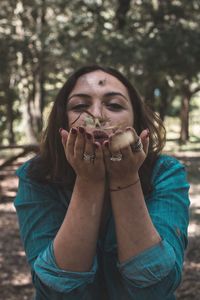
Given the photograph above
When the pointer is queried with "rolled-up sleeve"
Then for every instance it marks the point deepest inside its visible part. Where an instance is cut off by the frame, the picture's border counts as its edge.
(157, 270)
(144, 270)
(61, 280)
(40, 213)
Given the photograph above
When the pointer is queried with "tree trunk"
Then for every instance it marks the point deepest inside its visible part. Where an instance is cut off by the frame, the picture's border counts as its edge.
(184, 116)
(10, 119)
(163, 105)
(150, 96)
(39, 74)
(9, 110)
(123, 8)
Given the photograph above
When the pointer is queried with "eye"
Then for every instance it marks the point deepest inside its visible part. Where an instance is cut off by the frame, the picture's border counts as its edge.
(115, 106)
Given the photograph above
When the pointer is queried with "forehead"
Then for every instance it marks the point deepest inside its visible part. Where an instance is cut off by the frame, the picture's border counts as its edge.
(99, 81)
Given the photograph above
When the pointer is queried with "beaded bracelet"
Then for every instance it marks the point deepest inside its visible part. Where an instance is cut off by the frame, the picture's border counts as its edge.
(119, 188)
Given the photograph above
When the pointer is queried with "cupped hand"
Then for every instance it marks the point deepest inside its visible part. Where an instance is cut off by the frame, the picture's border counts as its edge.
(78, 144)
(125, 170)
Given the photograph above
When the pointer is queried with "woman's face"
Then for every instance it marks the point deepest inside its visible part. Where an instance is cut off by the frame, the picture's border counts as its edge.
(105, 98)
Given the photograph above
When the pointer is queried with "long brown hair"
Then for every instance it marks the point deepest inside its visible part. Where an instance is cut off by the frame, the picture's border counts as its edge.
(51, 166)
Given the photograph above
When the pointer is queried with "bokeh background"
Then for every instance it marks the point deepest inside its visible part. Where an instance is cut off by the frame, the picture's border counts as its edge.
(155, 43)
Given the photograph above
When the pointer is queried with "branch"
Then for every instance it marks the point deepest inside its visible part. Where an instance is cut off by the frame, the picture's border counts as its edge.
(196, 90)
(26, 149)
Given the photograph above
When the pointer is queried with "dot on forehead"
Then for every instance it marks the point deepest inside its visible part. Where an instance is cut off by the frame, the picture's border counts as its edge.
(102, 82)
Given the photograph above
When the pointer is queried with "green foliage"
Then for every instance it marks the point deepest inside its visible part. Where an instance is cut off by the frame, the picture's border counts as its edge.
(155, 43)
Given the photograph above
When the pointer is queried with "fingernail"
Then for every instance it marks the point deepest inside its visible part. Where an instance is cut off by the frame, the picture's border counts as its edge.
(73, 130)
(89, 136)
(81, 130)
(106, 144)
(60, 130)
(96, 146)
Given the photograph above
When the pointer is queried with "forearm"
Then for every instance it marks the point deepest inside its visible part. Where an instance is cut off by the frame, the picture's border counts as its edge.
(75, 242)
(134, 228)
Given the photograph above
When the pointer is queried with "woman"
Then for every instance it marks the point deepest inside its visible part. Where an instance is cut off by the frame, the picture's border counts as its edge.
(103, 215)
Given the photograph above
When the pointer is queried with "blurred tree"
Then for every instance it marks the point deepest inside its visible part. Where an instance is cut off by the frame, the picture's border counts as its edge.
(169, 42)
(155, 43)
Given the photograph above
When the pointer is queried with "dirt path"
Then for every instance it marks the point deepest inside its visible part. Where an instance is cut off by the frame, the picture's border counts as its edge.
(15, 280)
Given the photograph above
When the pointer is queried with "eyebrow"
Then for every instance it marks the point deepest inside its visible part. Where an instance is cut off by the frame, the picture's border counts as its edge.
(109, 94)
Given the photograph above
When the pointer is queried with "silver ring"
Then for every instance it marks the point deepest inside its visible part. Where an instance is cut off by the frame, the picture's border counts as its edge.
(116, 157)
(88, 157)
(137, 146)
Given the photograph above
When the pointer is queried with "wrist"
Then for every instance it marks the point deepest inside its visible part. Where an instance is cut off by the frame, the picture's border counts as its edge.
(89, 183)
(124, 187)
(123, 181)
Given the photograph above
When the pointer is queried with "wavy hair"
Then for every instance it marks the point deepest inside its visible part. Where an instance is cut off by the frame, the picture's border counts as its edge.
(51, 166)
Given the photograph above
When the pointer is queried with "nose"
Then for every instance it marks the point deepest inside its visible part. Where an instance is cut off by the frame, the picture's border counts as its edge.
(97, 112)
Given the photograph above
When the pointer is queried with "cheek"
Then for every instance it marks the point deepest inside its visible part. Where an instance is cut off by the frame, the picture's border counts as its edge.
(75, 120)
(125, 118)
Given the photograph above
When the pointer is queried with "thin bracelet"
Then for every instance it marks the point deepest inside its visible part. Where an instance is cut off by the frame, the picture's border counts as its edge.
(119, 188)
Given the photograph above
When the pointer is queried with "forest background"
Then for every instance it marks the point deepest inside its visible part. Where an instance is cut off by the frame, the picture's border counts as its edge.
(155, 43)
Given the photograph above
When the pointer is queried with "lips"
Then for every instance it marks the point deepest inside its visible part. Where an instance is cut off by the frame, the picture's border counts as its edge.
(100, 136)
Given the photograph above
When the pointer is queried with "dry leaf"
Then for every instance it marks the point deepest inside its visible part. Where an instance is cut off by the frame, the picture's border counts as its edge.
(122, 140)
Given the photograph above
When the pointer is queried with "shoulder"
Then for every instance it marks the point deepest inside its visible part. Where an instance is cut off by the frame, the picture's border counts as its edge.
(37, 190)
(22, 171)
(169, 175)
(168, 168)
(164, 162)
(24, 179)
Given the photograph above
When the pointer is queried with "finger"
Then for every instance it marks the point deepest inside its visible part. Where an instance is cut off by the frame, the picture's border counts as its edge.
(79, 143)
(126, 152)
(145, 140)
(64, 136)
(122, 140)
(106, 152)
(71, 140)
(89, 147)
(137, 146)
(128, 137)
(98, 153)
(115, 142)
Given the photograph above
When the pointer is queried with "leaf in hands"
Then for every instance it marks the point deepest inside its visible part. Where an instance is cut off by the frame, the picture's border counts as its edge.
(122, 140)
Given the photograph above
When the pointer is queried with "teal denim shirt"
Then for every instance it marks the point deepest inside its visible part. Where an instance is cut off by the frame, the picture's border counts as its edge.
(153, 274)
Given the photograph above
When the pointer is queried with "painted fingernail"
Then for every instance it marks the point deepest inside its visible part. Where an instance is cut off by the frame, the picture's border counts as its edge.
(106, 144)
(60, 130)
(89, 136)
(81, 130)
(73, 130)
(96, 146)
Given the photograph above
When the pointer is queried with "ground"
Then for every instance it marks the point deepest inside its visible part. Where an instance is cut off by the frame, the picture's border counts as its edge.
(15, 280)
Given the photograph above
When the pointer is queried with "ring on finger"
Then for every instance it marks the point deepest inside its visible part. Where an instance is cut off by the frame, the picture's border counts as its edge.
(88, 157)
(116, 157)
(137, 146)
